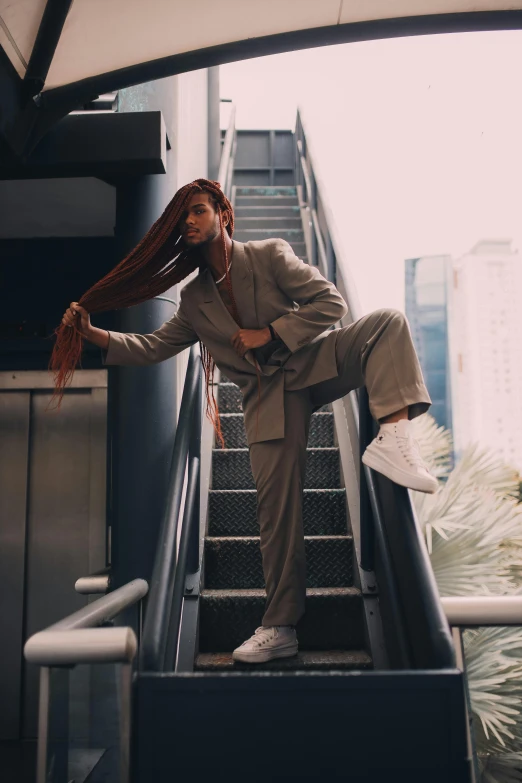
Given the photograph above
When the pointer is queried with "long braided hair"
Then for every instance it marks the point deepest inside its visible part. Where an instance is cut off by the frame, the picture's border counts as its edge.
(157, 263)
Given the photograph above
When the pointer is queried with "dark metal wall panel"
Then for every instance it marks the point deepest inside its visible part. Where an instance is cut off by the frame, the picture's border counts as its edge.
(283, 152)
(253, 149)
(284, 177)
(14, 440)
(52, 518)
(57, 520)
(264, 157)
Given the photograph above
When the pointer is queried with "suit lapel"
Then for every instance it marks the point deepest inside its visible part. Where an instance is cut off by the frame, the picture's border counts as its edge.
(212, 305)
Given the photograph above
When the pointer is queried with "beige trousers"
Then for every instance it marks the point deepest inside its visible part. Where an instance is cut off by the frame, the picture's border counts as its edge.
(376, 351)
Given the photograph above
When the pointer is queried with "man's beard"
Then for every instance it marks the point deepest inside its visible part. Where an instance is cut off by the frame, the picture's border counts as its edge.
(202, 242)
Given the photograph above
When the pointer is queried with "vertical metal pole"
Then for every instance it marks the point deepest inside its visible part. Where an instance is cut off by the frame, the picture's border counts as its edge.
(367, 529)
(43, 726)
(125, 721)
(271, 156)
(213, 123)
(312, 200)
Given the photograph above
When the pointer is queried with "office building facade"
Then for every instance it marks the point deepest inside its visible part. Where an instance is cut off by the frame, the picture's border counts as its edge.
(428, 292)
(486, 349)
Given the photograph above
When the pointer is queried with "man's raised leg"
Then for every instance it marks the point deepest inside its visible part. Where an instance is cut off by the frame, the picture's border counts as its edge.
(377, 351)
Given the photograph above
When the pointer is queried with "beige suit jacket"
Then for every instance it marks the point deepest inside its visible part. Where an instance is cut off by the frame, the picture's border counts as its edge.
(271, 286)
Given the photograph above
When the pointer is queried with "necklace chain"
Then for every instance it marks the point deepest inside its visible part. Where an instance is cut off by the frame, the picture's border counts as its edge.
(222, 278)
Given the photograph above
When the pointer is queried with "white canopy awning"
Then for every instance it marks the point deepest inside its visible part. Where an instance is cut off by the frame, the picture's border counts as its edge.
(102, 36)
(69, 51)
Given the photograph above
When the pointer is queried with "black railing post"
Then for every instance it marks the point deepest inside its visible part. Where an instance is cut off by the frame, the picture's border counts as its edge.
(178, 590)
(195, 452)
(312, 203)
(367, 528)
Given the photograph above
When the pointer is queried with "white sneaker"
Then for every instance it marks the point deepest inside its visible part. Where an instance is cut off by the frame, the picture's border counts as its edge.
(395, 454)
(275, 641)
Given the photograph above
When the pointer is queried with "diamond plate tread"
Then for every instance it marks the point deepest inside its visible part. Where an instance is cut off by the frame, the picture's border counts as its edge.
(229, 398)
(307, 660)
(333, 619)
(231, 469)
(234, 563)
(321, 430)
(233, 512)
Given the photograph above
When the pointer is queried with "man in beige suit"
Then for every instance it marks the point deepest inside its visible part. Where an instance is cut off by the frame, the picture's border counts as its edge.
(286, 309)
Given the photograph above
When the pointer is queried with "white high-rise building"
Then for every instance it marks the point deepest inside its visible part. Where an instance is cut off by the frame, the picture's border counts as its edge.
(486, 349)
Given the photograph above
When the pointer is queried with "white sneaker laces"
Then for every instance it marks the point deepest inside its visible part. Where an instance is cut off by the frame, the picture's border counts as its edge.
(410, 450)
(263, 635)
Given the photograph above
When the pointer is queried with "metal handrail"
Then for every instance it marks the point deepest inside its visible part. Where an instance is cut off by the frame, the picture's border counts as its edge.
(477, 612)
(162, 617)
(481, 611)
(224, 175)
(380, 499)
(77, 639)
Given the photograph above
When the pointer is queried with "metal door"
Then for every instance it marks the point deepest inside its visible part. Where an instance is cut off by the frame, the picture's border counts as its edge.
(52, 518)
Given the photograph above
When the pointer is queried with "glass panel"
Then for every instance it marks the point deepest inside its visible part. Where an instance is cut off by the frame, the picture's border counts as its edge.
(86, 724)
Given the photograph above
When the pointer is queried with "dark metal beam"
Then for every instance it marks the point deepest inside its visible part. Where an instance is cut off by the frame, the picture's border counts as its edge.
(97, 145)
(47, 39)
(11, 104)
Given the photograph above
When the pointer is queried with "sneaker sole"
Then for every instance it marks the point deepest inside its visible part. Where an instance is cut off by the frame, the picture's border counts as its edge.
(262, 656)
(399, 476)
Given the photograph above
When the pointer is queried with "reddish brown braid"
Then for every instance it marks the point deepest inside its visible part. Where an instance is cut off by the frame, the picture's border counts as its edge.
(154, 266)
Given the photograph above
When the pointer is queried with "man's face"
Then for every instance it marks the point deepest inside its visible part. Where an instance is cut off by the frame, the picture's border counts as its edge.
(199, 223)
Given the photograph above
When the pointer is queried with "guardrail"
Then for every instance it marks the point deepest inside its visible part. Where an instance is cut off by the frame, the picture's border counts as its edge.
(172, 567)
(78, 639)
(416, 629)
(478, 612)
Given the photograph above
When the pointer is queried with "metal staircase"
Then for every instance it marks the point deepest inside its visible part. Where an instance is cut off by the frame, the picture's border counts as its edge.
(331, 634)
(262, 212)
(373, 693)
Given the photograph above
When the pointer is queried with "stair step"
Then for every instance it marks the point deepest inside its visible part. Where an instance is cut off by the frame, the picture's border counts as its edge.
(231, 469)
(266, 201)
(333, 619)
(261, 211)
(275, 222)
(266, 190)
(307, 660)
(234, 562)
(233, 512)
(291, 235)
(321, 430)
(229, 398)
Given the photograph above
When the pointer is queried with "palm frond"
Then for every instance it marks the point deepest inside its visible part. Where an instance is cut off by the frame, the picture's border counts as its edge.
(473, 530)
(501, 768)
(435, 443)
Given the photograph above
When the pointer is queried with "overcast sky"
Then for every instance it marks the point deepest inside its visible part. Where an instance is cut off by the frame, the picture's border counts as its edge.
(418, 141)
